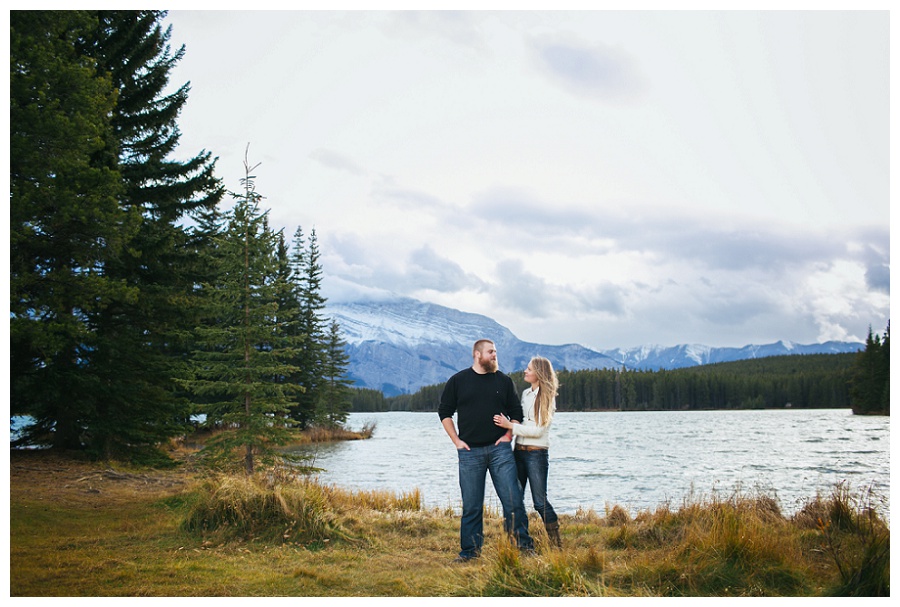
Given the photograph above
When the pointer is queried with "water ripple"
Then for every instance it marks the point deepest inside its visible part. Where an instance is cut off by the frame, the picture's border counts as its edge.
(637, 460)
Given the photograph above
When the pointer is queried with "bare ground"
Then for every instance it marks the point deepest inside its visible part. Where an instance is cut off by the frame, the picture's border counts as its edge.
(41, 475)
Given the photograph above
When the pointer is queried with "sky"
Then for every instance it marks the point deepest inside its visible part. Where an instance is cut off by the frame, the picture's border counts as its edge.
(607, 178)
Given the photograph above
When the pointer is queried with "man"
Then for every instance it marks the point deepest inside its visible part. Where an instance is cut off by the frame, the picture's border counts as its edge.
(477, 394)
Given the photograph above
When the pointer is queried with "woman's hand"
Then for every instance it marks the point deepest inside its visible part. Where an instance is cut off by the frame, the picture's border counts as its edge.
(502, 421)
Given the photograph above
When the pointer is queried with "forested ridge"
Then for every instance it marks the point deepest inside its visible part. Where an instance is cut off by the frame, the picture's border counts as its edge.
(798, 381)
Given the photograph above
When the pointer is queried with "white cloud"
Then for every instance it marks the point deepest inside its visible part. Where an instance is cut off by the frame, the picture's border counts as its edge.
(609, 177)
(336, 161)
(596, 71)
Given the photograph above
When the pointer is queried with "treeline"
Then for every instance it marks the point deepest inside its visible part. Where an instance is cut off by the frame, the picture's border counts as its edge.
(871, 386)
(799, 381)
(137, 304)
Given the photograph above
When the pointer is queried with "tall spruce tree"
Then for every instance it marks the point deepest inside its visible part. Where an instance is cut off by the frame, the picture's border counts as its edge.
(245, 344)
(336, 395)
(133, 47)
(143, 339)
(307, 272)
(287, 298)
(66, 224)
(886, 366)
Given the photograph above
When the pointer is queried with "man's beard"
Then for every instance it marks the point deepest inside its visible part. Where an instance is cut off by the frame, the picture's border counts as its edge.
(489, 366)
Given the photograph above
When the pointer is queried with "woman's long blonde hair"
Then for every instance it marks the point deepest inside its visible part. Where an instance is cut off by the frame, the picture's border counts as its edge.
(548, 386)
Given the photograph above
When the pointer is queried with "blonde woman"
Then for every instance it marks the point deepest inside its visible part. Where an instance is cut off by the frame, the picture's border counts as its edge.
(532, 440)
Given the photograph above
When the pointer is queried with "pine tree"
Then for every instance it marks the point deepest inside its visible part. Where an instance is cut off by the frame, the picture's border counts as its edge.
(66, 226)
(244, 344)
(870, 383)
(335, 398)
(143, 339)
(288, 300)
(307, 272)
(134, 48)
(886, 371)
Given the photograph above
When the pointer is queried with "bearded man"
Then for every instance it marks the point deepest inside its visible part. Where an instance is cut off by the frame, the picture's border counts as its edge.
(476, 395)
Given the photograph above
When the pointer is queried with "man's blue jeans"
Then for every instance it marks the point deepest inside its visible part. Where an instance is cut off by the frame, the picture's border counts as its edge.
(533, 467)
(473, 466)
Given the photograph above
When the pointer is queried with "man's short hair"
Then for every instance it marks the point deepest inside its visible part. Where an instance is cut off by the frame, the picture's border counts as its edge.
(479, 345)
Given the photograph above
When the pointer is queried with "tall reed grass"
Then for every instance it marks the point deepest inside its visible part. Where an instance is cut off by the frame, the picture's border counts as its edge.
(281, 506)
(711, 546)
(856, 538)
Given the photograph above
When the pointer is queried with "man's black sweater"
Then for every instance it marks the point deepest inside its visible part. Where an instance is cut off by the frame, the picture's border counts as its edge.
(476, 398)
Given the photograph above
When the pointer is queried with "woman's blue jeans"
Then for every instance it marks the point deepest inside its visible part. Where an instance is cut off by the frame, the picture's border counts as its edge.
(533, 467)
(474, 464)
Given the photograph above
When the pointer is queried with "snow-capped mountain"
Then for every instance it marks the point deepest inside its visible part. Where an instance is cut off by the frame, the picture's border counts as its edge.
(689, 355)
(399, 345)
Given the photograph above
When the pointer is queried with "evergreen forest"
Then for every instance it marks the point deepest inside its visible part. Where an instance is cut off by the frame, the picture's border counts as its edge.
(145, 296)
(799, 381)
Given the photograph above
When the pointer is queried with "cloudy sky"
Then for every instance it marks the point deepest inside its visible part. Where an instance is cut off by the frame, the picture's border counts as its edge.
(607, 178)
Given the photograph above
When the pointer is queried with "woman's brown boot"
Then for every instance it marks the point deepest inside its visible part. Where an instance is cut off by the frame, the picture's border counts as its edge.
(553, 534)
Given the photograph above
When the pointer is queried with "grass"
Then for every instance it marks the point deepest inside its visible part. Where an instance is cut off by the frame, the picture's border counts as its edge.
(84, 529)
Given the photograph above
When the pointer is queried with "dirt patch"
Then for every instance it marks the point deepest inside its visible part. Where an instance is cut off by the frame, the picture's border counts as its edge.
(42, 475)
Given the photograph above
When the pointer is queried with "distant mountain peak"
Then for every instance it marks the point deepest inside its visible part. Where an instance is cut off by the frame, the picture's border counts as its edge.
(399, 344)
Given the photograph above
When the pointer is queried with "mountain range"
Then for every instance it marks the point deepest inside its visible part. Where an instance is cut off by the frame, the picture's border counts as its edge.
(399, 345)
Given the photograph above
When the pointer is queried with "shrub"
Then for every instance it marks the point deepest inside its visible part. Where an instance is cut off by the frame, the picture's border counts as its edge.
(255, 508)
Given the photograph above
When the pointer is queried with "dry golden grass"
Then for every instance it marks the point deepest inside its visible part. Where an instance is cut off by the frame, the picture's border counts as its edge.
(82, 529)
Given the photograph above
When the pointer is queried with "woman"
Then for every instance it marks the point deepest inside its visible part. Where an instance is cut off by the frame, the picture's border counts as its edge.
(532, 439)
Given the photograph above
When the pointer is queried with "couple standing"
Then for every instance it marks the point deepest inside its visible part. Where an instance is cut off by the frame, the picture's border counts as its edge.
(489, 414)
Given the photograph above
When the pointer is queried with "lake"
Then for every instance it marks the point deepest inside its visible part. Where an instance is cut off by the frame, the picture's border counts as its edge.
(637, 460)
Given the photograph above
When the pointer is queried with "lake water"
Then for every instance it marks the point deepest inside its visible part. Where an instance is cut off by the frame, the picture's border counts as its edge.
(637, 460)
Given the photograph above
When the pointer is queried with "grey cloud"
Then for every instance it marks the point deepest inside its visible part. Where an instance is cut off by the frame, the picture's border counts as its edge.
(424, 269)
(412, 199)
(878, 278)
(605, 298)
(735, 306)
(597, 71)
(875, 255)
(521, 290)
(724, 307)
(347, 249)
(518, 210)
(694, 238)
(522, 219)
(428, 270)
(338, 290)
(518, 289)
(742, 249)
(336, 161)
